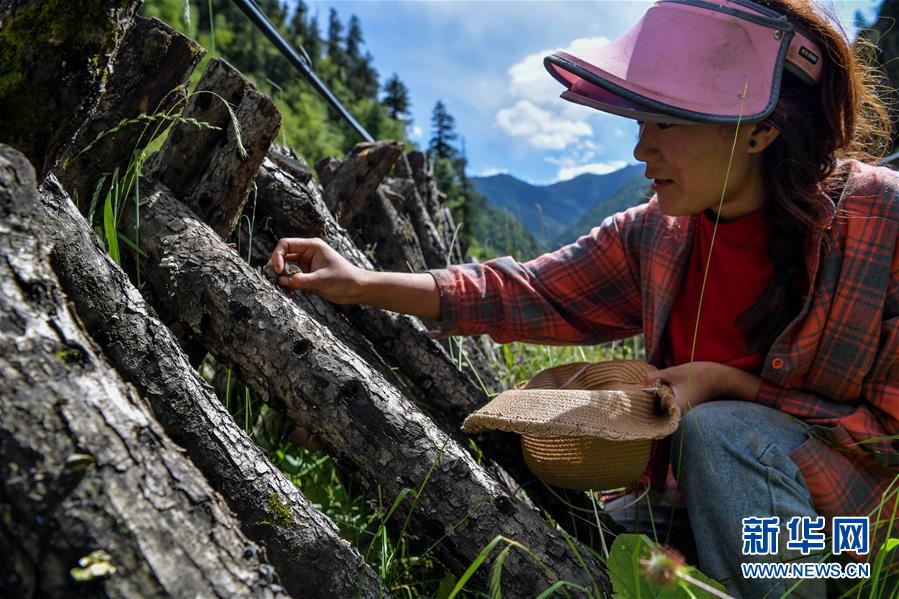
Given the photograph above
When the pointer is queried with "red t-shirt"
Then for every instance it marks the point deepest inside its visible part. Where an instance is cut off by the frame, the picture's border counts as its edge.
(740, 270)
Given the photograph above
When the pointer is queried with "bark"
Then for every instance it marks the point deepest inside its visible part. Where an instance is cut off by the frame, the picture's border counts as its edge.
(287, 207)
(327, 168)
(425, 394)
(439, 248)
(86, 470)
(368, 210)
(433, 250)
(387, 234)
(349, 186)
(209, 169)
(153, 60)
(303, 545)
(411, 184)
(423, 175)
(421, 172)
(54, 59)
(364, 423)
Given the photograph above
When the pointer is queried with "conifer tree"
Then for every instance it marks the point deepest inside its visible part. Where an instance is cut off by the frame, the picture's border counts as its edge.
(353, 39)
(362, 78)
(335, 39)
(312, 42)
(298, 28)
(396, 99)
(443, 132)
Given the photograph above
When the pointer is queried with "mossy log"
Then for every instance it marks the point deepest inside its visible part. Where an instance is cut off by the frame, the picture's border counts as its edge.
(364, 423)
(54, 63)
(148, 71)
(302, 544)
(95, 499)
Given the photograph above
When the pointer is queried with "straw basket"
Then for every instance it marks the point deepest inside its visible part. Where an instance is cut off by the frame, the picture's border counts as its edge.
(584, 426)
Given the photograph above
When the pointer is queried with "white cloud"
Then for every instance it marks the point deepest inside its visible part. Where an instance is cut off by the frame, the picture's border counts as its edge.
(541, 128)
(596, 168)
(539, 115)
(529, 78)
(416, 132)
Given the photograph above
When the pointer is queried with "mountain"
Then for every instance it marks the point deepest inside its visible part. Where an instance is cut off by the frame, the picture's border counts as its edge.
(634, 192)
(549, 211)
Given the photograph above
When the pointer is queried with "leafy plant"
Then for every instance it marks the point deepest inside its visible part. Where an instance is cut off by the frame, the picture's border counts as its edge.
(640, 568)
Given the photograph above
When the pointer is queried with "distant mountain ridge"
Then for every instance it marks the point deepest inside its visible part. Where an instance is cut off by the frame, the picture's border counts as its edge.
(634, 192)
(556, 214)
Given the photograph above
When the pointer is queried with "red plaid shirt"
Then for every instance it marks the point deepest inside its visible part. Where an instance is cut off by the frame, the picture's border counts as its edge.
(836, 366)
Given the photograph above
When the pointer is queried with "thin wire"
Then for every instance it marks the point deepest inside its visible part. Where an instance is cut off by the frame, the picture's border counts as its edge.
(708, 261)
(705, 275)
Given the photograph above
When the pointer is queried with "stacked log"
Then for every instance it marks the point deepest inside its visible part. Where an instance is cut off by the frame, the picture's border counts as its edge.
(364, 423)
(111, 390)
(303, 545)
(94, 496)
(153, 62)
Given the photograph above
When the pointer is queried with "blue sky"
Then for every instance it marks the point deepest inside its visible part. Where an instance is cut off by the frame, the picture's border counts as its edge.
(483, 59)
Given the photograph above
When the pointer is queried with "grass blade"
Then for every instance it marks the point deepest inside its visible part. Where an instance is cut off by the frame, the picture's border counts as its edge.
(109, 228)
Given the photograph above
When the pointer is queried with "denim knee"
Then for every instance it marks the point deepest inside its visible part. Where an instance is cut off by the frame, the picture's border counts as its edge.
(717, 431)
(731, 460)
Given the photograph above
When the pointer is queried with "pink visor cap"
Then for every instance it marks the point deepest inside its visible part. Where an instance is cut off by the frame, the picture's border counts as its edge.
(690, 61)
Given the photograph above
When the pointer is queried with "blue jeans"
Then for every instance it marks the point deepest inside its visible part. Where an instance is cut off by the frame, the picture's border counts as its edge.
(731, 460)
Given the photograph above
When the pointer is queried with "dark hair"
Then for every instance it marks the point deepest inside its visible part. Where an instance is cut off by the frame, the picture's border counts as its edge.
(841, 117)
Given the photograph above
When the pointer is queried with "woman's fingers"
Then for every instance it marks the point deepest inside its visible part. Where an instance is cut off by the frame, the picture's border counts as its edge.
(303, 280)
(653, 376)
(294, 249)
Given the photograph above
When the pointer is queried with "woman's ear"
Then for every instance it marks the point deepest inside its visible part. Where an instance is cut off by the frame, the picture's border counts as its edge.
(763, 135)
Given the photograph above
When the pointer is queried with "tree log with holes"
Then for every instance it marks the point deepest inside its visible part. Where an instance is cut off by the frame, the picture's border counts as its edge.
(302, 544)
(373, 221)
(363, 422)
(94, 497)
(289, 205)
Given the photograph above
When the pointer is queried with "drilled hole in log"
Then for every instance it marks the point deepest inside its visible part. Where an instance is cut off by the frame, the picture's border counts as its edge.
(239, 311)
(205, 201)
(301, 347)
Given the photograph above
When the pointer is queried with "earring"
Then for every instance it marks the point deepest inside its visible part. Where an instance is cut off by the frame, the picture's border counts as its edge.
(752, 143)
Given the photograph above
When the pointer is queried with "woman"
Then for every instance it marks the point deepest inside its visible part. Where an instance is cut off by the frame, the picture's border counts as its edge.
(763, 273)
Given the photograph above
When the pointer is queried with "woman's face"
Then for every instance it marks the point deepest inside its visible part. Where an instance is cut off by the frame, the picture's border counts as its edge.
(688, 164)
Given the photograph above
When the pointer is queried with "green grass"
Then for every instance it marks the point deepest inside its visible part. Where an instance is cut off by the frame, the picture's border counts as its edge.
(411, 571)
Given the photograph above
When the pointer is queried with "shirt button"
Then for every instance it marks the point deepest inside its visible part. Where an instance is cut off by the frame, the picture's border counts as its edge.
(777, 363)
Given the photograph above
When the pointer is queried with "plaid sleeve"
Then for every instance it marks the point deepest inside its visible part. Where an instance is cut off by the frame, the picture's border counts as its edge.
(583, 293)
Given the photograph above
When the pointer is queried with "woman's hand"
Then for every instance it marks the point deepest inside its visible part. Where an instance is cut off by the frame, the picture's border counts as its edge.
(324, 271)
(698, 382)
(330, 275)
